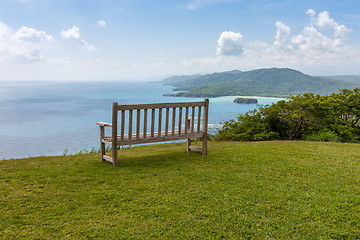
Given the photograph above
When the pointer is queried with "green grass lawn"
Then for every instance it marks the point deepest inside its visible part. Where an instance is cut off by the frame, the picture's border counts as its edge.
(258, 190)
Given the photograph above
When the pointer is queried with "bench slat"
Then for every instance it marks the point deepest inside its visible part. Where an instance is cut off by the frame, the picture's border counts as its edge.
(186, 120)
(199, 118)
(107, 158)
(180, 116)
(159, 105)
(138, 123)
(173, 121)
(167, 122)
(122, 124)
(195, 148)
(192, 119)
(149, 139)
(130, 122)
(145, 122)
(152, 122)
(160, 120)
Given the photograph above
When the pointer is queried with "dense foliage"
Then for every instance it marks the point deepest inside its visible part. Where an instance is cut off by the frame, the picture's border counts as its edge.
(275, 82)
(246, 100)
(334, 117)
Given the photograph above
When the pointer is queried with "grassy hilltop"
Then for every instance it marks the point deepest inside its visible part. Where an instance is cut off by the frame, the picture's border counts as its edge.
(256, 190)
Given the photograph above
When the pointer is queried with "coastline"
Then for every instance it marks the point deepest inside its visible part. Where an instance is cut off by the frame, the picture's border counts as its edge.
(219, 96)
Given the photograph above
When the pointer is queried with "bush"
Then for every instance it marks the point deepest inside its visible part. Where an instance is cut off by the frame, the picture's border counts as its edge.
(334, 118)
(323, 136)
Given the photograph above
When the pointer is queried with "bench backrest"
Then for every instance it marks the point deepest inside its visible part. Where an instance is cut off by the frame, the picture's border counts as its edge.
(167, 119)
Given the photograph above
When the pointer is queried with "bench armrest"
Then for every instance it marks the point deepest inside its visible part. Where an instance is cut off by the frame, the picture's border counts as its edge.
(104, 124)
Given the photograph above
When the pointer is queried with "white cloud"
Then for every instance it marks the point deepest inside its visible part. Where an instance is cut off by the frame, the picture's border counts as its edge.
(325, 22)
(5, 31)
(71, 33)
(311, 41)
(282, 34)
(312, 14)
(101, 23)
(229, 44)
(32, 35)
(25, 45)
(74, 33)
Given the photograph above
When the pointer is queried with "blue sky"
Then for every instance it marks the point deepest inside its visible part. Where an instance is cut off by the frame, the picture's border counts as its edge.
(139, 40)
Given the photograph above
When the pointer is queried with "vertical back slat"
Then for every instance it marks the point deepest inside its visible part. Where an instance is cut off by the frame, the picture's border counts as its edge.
(173, 121)
(192, 119)
(186, 120)
(180, 116)
(160, 120)
(145, 122)
(167, 122)
(199, 119)
(138, 123)
(130, 123)
(122, 124)
(152, 122)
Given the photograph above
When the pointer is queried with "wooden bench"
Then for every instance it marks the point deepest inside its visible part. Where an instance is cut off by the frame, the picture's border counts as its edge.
(167, 118)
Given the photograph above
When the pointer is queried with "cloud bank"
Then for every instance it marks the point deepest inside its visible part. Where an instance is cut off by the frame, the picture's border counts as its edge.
(311, 40)
(307, 50)
(24, 45)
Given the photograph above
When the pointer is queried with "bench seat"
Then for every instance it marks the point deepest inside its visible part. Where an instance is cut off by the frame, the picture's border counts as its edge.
(149, 139)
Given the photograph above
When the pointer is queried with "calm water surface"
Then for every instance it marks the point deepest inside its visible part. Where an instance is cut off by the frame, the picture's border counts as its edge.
(45, 118)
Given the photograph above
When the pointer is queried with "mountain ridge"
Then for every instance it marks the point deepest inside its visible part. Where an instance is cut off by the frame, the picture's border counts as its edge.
(269, 82)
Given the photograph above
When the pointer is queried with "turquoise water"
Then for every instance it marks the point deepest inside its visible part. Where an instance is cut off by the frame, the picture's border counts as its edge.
(45, 118)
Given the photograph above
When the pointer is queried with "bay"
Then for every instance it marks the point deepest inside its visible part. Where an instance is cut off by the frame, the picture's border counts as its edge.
(46, 118)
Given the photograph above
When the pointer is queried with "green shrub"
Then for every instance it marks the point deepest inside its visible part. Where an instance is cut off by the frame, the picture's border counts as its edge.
(323, 136)
(334, 117)
(266, 136)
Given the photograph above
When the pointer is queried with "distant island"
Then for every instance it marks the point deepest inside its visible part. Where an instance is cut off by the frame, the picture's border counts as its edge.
(246, 100)
(272, 82)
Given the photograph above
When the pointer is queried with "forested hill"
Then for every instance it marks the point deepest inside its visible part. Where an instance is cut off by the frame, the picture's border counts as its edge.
(274, 82)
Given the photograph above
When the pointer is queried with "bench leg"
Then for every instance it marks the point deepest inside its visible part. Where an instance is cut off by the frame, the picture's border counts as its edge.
(188, 141)
(114, 154)
(102, 145)
(102, 150)
(188, 144)
(204, 145)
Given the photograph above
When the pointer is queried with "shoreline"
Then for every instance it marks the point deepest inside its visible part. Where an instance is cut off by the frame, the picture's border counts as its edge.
(235, 96)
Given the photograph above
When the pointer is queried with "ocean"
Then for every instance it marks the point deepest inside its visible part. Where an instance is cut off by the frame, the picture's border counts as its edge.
(47, 118)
